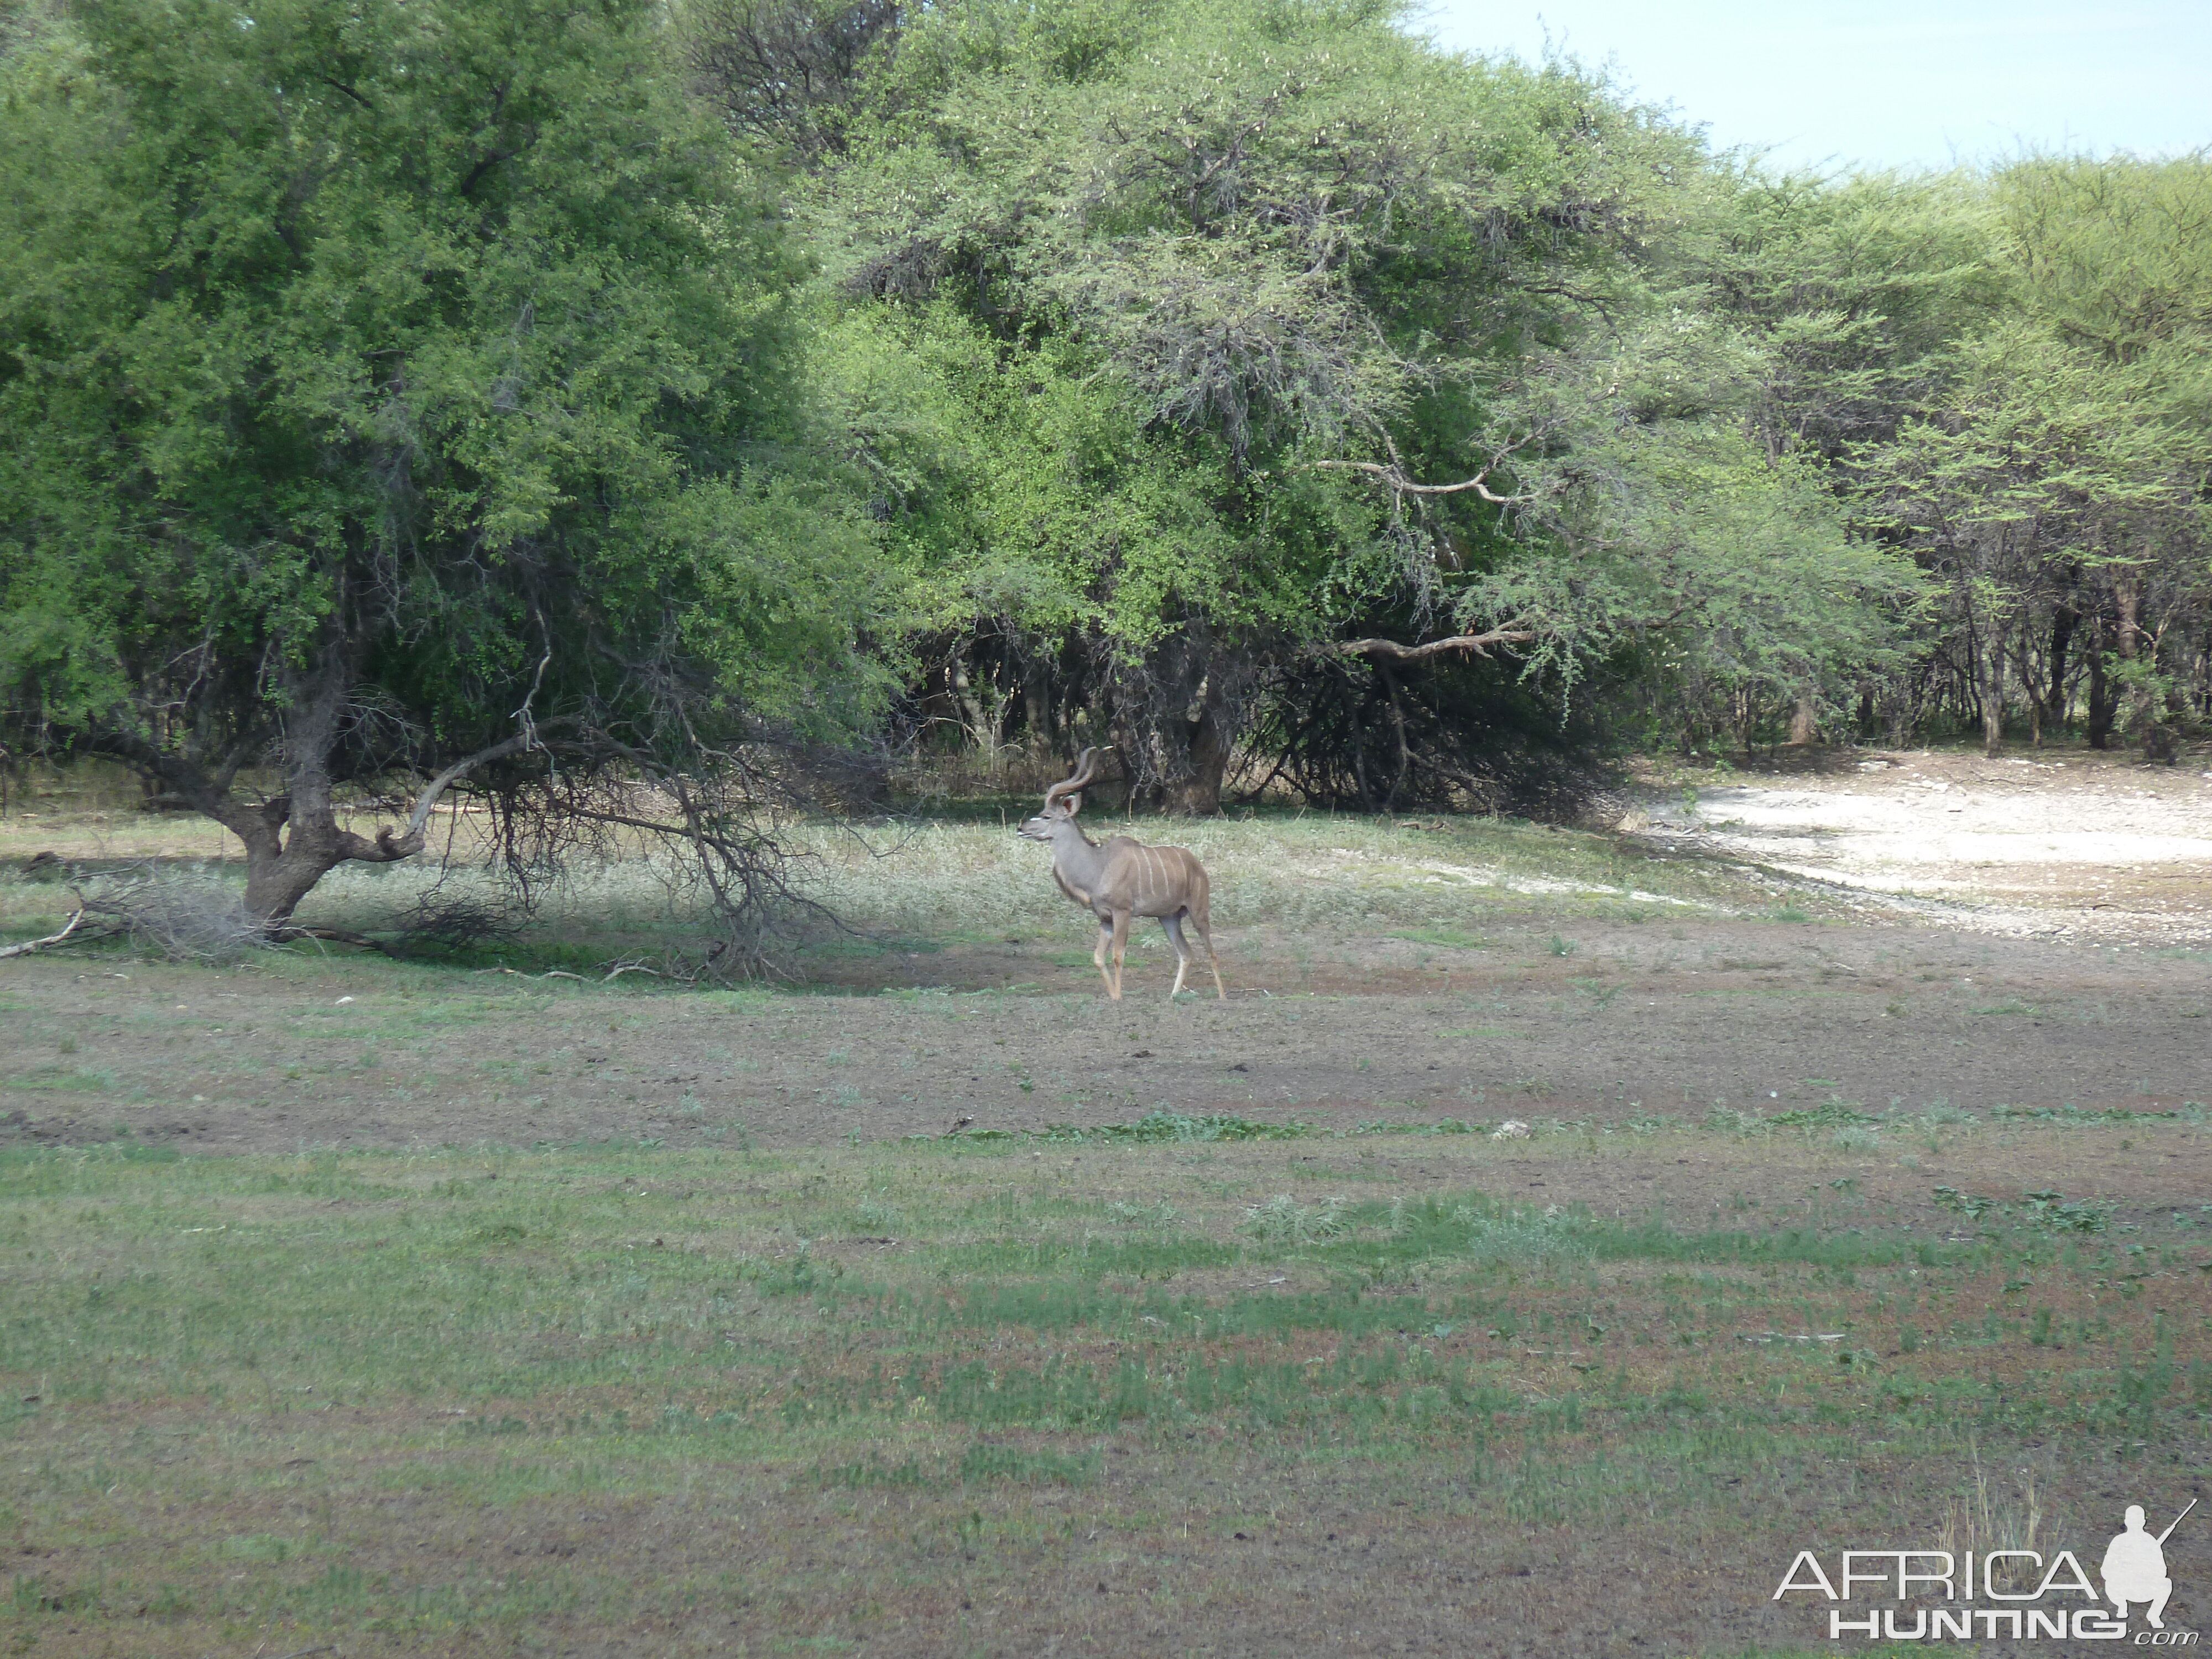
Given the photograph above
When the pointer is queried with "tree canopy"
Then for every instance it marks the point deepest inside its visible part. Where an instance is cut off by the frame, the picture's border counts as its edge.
(572, 401)
(1250, 330)
(387, 386)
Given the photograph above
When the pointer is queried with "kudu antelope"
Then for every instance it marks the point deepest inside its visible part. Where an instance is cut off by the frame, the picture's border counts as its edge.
(1122, 878)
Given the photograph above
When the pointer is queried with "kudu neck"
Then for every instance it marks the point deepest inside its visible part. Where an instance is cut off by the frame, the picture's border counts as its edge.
(1071, 845)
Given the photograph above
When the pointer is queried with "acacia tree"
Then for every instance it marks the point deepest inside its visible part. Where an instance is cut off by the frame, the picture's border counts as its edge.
(1202, 341)
(397, 389)
(1151, 262)
(2001, 374)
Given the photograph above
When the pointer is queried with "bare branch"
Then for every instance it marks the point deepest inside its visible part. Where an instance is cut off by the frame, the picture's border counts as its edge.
(1478, 643)
(426, 802)
(1403, 485)
(31, 945)
(335, 935)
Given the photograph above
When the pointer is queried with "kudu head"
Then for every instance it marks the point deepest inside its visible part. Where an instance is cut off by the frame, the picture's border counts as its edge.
(1064, 800)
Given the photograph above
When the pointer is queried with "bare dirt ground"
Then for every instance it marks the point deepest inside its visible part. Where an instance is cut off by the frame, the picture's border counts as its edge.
(1935, 935)
(1637, 1022)
(2067, 844)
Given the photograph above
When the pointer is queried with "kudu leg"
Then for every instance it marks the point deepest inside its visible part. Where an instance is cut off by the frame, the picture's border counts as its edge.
(1174, 927)
(1098, 956)
(1206, 934)
(1120, 949)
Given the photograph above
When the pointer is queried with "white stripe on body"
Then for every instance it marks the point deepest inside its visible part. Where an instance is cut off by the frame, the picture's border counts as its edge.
(1156, 881)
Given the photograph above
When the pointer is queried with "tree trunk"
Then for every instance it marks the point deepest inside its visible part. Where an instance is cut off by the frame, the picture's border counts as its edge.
(295, 840)
(1993, 701)
(1198, 794)
(1398, 729)
(1177, 716)
(2146, 722)
(972, 715)
(2063, 624)
(2103, 705)
(1036, 704)
(278, 875)
(1804, 728)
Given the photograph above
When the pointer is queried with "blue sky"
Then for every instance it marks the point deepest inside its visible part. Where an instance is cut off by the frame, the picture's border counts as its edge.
(1881, 84)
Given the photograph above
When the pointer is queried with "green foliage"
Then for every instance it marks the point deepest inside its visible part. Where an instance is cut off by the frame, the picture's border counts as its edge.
(367, 374)
(2003, 374)
(1127, 305)
(366, 377)
(1283, 1220)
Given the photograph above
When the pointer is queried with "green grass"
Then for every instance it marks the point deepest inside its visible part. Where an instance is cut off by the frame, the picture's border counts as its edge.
(278, 1348)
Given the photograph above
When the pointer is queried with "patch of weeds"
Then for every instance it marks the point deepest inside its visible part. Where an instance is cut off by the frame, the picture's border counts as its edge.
(1831, 1115)
(875, 1213)
(1283, 1220)
(1449, 938)
(1730, 1120)
(1443, 1126)
(871, 1471)
(1166, 1126)
(799, 1274)
(986, 1462)
(1856, 1138)
(1523, 1236)
(1964, 1204)
(1445, 1228)
(2053, 1211)
(1158, 1258)
(2074, 1117)
(1158, 1213)
(85, 1079)
(505, 1423)
(1560, 947)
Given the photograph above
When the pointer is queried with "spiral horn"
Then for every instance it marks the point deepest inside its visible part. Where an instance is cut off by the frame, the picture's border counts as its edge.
(1086, 769)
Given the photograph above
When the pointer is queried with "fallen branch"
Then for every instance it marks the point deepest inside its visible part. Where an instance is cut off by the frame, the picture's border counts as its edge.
(335, 935)
(31, 945)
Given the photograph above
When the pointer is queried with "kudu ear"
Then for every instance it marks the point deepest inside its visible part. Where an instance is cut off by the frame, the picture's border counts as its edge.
(1072, 804)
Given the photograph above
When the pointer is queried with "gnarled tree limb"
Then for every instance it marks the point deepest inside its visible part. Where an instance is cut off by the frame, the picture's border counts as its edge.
(1478, 643)
(1396, 479)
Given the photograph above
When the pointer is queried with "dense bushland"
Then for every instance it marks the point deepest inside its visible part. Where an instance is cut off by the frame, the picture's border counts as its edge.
(616, 412)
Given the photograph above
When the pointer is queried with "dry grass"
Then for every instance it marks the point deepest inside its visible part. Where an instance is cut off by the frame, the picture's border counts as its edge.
(958, 879)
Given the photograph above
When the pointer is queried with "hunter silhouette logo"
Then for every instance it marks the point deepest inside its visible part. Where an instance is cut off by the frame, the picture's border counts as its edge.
(2135, 1566)
(2017, 1581)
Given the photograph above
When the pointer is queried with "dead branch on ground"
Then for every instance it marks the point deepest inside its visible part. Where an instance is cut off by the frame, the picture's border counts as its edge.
(68, 928)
